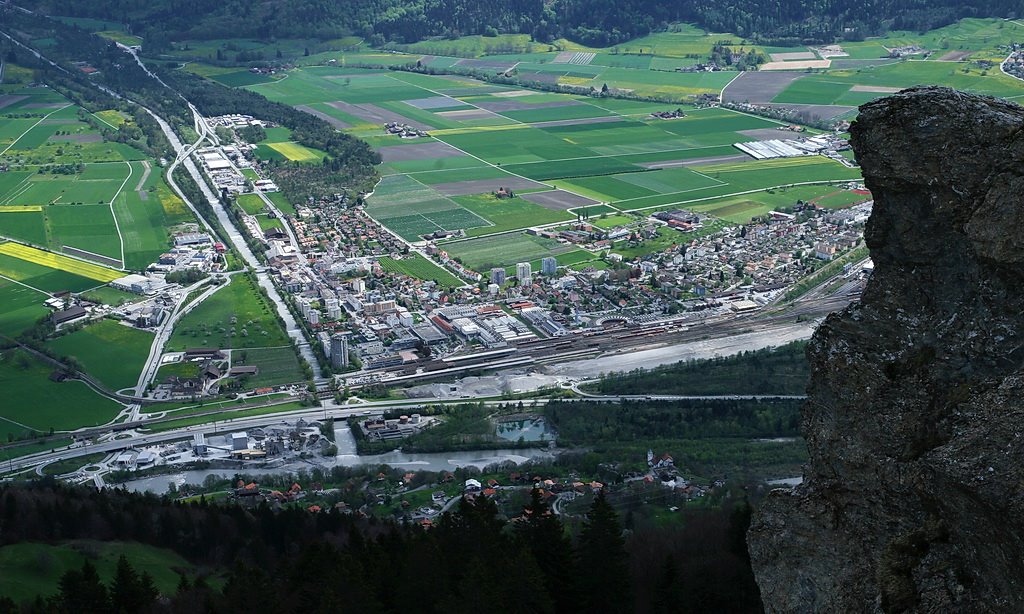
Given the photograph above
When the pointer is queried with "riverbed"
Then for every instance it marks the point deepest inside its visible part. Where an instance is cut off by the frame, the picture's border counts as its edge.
(347, 457)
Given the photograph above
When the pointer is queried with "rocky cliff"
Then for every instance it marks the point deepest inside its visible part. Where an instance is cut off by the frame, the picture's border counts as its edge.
(913, 499)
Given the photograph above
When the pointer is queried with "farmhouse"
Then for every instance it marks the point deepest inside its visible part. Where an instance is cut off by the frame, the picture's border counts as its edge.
(68, 315)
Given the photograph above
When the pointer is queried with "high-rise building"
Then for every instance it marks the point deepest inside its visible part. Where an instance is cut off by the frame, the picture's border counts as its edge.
(339, 351)
(524, 272)
(548, 266)
(498, 275)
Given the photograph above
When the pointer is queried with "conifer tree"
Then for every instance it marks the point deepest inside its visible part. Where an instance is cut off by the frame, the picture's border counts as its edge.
(602, 570)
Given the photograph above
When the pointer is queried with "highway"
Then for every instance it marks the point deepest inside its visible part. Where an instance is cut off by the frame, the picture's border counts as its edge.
(327, 410)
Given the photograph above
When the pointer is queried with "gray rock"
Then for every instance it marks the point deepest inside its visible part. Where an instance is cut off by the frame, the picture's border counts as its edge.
(913, 499)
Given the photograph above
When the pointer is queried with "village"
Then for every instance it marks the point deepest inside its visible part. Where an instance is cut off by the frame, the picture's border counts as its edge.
(364, 317)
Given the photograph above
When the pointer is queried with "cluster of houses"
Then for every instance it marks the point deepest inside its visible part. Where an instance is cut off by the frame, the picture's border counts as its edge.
(678, 113)
(1014, 62)
(404, 131)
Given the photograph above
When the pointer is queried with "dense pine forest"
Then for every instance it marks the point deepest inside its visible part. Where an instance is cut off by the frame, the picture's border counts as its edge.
(471, 560)
(592, 22)
(776, 371)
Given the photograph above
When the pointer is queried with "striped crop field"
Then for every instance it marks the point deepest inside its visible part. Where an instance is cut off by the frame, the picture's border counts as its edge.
(61, 263)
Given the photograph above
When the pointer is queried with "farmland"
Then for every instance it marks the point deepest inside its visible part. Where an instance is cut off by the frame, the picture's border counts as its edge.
(110, 352)
(557, 154)
(35, 403)
(236, 316)
(59, 262)
(96, 204)
(415, 265)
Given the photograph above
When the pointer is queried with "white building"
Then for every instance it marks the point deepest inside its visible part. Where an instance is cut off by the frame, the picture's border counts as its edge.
(524, 272)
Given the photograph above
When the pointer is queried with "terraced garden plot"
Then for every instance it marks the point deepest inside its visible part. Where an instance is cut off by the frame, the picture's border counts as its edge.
(110, 352)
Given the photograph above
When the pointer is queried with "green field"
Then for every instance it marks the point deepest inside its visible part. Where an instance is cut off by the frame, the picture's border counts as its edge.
(42, 277)
(276, 366)
(110, 352)
(415, 265)
(236, 316)
(607, 149)
(79, 210)
(31, 569)
(251, 203)
(35, 403)
(506, 250)
(20, 307)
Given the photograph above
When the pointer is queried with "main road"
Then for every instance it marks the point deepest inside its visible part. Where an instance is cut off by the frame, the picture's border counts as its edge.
(234, 236)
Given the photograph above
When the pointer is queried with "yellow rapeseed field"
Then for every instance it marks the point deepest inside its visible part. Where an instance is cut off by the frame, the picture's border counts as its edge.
(61, 263)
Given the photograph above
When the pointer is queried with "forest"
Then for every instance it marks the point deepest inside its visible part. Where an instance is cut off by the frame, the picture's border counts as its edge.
(585, 423)
(779, 371)
(591, 22)
(471, 560)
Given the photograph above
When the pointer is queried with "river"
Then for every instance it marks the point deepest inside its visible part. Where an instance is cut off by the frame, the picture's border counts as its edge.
(347, 457)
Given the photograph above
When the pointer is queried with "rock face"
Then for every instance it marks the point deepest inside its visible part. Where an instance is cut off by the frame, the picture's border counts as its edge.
(913, 499)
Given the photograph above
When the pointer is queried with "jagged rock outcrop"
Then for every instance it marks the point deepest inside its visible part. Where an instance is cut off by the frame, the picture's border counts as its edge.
(913, 499)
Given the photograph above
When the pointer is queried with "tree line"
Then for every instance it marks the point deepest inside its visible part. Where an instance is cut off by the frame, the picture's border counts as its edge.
(782, 371)
(473, 559)
(592, 22)
(581, 423)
